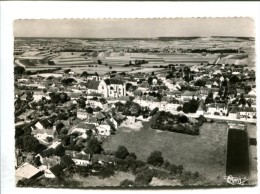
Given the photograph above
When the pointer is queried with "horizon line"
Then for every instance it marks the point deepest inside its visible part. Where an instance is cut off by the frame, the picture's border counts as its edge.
(135, 37)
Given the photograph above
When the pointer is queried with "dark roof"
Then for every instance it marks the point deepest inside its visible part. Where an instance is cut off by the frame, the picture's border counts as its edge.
(113, 81)
(190, 93)
(92, 84)
(67, 161)
(103, 158)
(56, 170)
(47, 152)
(100, 116)
(111, 124)
(215, 105)
(46, 123)
(84, 125)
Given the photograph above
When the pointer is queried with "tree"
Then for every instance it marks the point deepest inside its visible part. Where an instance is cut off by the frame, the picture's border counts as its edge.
(155, 158)
(128, 86)
(138, 92)
(183, 119)
(200, 82)
(106, 171)
(82, 103)
(154, 111)
(127, 183)
(84, 74)
(234, 79)
(186, 107)
(99, 62)
(144, 177)
(110, 67)
(37, 161)
(179, 108)
(67, 70)
(150, 80)
(89, 110)
(95, 146)
(59, 150)
(132, 155)
(19, 70)
(59, 126)
(68, 81)
(121, 152)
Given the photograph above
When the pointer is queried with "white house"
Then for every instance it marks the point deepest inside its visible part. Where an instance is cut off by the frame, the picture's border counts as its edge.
(112, 88)
(172, 106)
(80, 158)
(217, 109)
(104, 129)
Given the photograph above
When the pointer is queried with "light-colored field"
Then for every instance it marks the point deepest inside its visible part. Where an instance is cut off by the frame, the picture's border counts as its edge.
(48, 74)
(205, 153)
(164, 182)
(93, 181)
(147, 70)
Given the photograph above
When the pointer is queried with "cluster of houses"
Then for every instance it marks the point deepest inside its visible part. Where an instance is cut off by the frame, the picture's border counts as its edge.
(103, 122)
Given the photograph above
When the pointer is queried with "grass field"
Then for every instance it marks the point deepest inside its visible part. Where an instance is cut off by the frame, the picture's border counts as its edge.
(93, 181)
(205, 153)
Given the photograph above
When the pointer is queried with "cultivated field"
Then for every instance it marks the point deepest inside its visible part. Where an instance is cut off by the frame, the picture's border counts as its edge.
(205, 153)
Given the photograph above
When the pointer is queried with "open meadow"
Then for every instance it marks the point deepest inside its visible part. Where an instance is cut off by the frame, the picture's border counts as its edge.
(205, 153)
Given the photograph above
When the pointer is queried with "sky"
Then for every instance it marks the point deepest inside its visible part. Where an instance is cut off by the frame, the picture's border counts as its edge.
(134, 28)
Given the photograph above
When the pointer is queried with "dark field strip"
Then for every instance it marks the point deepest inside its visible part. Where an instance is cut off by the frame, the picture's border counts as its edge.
(237, 153)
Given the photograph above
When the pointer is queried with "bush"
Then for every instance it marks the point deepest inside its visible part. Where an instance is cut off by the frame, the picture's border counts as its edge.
(127, 183)
(155, 158)
(144, 177)
(106, 171)
(179, 108)
(121, 152)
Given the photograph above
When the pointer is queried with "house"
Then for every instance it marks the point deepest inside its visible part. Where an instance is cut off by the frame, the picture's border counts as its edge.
(81, 128)
(202, 109)
(92, 86)
(81, 114)
(154, 81)
(217, 109)
(104, 129)
(233, 113)
(47, 172)
(204, 92)
(67, 161)
(172, 106)
(74, 95)
(162, 76)
(81, 86)
(94, 103)
(27, 171)
(38, 95)
(209, 84)
(45, 154)
(252, 92)
(80, 159)
(240, 91)
(112, 88)
(57, 169)
(188, 95)
(43, 124)
(247, 112)
(215, 92)
(103, 159)
(174, 93)
(100, 116)
(47, 163)
(94, 77)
